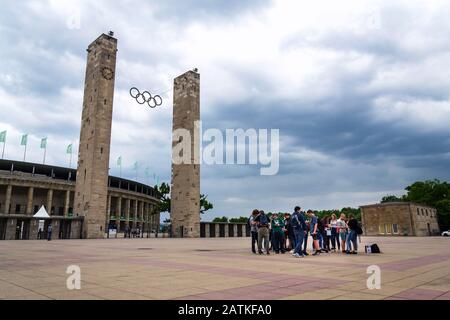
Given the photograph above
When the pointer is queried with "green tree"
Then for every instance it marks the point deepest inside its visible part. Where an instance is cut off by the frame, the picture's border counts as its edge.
(163, 194)
(392, 198)
(218, 220)
(239, 220)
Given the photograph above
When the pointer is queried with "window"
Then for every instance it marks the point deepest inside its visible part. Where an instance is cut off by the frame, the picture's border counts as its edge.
(395, 228)
(17, 208)
(427, 212)
(418, 212)
(381, 229)
(423, 213)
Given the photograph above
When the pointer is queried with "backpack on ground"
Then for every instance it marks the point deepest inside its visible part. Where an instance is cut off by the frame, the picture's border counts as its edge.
(373, 249)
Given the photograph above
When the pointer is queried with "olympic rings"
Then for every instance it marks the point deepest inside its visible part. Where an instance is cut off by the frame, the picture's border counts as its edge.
(146, 97)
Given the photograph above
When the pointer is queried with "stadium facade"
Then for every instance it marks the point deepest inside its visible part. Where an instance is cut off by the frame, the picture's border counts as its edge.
(26, 187)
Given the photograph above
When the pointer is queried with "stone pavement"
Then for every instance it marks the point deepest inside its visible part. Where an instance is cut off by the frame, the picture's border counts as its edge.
(205, 269)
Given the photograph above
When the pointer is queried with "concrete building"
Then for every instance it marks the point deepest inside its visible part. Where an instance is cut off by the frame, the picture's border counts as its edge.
(25, 187)
(91, 190)
(185, 205)
(399, 219)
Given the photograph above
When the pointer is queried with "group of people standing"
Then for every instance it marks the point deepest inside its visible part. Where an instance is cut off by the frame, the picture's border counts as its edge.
(290, 233)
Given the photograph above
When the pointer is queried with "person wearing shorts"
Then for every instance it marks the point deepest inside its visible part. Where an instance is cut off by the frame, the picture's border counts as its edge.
(314, 232)
(343, 231)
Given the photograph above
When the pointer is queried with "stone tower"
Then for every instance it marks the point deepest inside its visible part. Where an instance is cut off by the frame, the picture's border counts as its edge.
(91, 191)
(185, 205)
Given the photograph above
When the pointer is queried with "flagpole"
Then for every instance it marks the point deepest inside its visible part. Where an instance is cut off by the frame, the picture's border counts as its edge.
(45, 152)
(3, 152)
(25, 153)
(70, 161)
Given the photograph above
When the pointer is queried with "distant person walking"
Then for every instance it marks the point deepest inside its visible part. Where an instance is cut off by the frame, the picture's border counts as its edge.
(49, 232)
(254, 229)
(263, 232)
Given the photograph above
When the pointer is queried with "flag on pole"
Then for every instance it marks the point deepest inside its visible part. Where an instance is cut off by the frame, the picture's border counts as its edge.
(44, 143)
(119, 161)
(69, 149)
(3, 136)
(24, 141)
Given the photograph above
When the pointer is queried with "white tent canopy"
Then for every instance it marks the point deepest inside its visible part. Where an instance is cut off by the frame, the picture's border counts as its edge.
(42, 213)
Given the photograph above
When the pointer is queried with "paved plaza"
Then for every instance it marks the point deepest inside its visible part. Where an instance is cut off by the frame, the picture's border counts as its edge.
(210, 269)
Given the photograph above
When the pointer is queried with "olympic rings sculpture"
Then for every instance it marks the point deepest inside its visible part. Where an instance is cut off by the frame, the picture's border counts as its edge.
(146, 98)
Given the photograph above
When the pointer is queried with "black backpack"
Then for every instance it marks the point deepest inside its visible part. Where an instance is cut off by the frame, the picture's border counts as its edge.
(263, 220)
(374, 248)
(359, 231)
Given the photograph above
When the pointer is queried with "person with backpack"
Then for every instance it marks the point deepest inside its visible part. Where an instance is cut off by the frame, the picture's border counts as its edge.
(299, 227)
(263, 223)
(254, 229)
(352, 237)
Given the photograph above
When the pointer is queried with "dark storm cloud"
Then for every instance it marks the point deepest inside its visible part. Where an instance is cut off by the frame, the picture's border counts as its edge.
(362, 111)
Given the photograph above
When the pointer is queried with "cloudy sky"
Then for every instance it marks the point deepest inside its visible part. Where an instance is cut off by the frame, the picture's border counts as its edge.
(360, 90)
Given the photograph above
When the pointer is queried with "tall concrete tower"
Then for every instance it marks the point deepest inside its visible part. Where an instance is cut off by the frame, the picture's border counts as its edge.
(185, 205)
(91, 191)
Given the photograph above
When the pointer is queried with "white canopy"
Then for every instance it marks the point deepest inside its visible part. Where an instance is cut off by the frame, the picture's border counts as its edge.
(42, 213)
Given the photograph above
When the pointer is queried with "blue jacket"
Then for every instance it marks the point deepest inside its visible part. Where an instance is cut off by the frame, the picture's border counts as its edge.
(302, 221)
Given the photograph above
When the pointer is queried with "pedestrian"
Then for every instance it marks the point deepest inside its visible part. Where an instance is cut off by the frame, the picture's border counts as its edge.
(299, 226)
(335, 241)
(342, 227)
(270, 233)
(305, 240)
(263, 232)
(49, 232)
(278, 233)
(324, 227)
(352, 237)
(254, 229)
(289, 234)
(314, 232)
